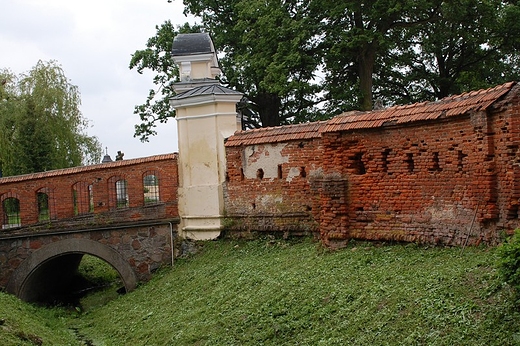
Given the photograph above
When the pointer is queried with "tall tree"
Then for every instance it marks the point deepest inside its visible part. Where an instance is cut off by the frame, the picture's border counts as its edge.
(270, 53)
(469, 46)
(299, 60)
(357, 37)
(41, 125)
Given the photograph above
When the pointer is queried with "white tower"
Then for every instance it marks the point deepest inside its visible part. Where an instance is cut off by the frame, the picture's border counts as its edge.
(206, 115)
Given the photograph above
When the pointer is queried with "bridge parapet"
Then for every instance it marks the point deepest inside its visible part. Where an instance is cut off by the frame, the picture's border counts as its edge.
(110, 193)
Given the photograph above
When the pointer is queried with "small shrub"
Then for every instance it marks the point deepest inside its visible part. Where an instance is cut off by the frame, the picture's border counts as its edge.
(509, 261)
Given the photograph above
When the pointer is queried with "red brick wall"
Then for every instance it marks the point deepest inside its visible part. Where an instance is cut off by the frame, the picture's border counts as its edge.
(59, 184)
(414, 183)
(430, 181)
(281, 200)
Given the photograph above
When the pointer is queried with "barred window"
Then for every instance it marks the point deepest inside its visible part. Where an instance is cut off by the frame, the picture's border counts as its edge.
(117, 193)
(121, 194)
(151, 187)
(10, 211)
(43, 206)
(46, 204)
(83, 198)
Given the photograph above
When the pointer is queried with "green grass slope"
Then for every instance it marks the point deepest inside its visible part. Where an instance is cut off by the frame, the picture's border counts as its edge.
(269, 292)
(24, 324)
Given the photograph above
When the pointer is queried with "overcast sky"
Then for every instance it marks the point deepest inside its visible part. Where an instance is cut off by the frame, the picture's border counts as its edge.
(93, 42)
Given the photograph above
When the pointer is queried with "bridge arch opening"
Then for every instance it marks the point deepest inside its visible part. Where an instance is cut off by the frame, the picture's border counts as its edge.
(50, 271)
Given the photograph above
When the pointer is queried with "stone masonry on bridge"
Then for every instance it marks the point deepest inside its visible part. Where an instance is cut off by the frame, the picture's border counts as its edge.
(36, 267)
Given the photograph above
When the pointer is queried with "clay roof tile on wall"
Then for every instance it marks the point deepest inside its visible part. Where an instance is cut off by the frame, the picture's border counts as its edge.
(276, 134)
(450, 106)
(80, 169)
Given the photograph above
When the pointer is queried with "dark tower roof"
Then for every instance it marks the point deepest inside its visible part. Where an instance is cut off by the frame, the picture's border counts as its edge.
(191, 44)
(214, 89)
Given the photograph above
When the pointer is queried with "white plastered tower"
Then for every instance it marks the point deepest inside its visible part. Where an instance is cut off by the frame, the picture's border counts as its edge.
(206, 115)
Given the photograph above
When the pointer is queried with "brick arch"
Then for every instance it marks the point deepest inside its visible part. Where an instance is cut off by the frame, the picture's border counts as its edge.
(8, 194)
(51, 201)
(113, 194)
(3, 197)
(35, 271)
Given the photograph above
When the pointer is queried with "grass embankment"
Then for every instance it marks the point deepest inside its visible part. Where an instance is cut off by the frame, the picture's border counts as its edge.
(295, 293)
(24, 324)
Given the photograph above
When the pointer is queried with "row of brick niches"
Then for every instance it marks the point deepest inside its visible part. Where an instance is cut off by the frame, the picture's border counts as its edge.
(109, 193)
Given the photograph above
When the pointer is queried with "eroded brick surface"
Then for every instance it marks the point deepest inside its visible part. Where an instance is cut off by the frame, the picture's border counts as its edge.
(431, 172)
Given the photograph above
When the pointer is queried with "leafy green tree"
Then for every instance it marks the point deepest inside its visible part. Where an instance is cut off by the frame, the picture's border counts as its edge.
(270, 53)
(41, 126)
(157, 57)
(469, 46)
(300, 61)
(358, 37)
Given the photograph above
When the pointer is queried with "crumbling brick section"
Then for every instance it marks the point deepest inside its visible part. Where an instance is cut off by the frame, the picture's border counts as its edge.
(281, 199)
(444, 172)
(333, 219)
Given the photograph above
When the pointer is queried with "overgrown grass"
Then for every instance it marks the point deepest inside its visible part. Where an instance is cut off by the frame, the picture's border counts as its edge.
(24, 324)
(270, 292)
(295, 293)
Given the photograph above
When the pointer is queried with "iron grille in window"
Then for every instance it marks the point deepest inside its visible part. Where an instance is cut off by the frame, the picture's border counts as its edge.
(151, 187)
(83, 197)
(117, 193)
(10, 211)
(46, 204)
(43, 206)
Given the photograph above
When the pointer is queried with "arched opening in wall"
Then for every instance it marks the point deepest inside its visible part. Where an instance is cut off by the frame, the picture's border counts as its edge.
(260, 174)
(151, 187)
(384, 159)
(43, 206)
(242, 174)
(280, 172)
(10, 211)
(73, 279)
(410, 166)
(117, 193)
(83, 198)
(45, 202)
(303, 173)
(357, 165)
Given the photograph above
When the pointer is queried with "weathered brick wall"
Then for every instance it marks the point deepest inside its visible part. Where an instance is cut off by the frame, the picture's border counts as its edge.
(505, 127)
(453, 180)
(59, 185)
(268, 187)
(414, 183)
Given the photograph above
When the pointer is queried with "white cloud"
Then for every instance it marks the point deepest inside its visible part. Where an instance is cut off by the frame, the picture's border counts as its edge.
(93, 41)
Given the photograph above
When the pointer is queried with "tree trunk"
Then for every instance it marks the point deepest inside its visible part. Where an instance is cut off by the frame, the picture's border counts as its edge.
(268, 108)
(366, 70)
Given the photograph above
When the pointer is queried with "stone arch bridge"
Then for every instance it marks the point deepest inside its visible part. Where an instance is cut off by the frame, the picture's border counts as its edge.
(123, 212)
